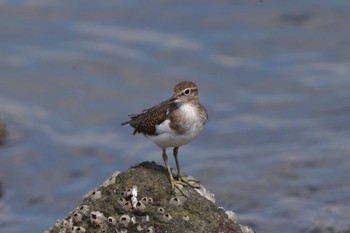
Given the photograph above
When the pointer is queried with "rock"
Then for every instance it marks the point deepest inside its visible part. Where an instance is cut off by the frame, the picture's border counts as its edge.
(141, 200)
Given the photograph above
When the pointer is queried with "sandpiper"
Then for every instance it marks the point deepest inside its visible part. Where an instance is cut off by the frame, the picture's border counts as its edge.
(172, 123)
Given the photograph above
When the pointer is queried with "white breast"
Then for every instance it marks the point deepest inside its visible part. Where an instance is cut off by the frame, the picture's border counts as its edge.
(168, 138)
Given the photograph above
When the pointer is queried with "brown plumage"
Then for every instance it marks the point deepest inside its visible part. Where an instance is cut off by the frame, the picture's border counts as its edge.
(147, 121)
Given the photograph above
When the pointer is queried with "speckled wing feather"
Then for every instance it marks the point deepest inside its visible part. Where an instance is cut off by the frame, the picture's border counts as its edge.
(146, 121)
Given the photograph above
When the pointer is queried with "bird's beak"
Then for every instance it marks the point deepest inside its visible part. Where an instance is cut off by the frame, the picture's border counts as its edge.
(171, 99)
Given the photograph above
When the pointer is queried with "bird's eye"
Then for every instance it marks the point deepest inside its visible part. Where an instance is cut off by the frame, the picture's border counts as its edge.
(187, 91)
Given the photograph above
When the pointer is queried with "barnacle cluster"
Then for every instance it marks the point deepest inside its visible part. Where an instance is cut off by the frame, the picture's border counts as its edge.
(141, 200)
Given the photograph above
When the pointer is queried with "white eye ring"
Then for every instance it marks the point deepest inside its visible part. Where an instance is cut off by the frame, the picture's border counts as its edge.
(187, 91)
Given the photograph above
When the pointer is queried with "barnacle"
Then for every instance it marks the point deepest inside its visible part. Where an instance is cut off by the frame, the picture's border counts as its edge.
(167, 217)
(77, 229)
(175, 201)
(97, 218)
(124, 220)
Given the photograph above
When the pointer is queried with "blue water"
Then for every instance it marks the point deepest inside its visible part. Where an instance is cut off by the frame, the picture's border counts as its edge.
(273, 75)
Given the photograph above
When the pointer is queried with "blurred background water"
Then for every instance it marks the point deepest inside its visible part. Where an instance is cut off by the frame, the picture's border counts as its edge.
(273, 75)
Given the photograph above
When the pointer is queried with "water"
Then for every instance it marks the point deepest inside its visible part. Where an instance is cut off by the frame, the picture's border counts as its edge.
(273, 76)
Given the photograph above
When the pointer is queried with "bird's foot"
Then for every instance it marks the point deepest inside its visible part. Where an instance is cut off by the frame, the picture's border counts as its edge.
(177, 187)
(189, 182)
(179, 183)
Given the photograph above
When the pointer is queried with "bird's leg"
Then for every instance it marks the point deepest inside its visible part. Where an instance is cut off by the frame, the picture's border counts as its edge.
(174, 183)
(180, 177)
(170, 175)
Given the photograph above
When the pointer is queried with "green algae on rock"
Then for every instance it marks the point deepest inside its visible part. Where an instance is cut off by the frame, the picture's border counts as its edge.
(141, 200)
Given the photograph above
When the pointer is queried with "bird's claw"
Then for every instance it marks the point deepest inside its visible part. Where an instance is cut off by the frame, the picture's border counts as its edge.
(189, 182)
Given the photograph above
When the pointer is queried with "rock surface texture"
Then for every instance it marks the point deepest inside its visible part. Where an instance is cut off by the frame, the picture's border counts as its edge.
(141, 200)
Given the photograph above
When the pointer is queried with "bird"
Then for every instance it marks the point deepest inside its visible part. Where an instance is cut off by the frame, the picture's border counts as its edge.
(172, 123)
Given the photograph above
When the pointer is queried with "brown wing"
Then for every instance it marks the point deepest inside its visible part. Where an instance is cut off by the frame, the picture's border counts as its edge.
(146, 121)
